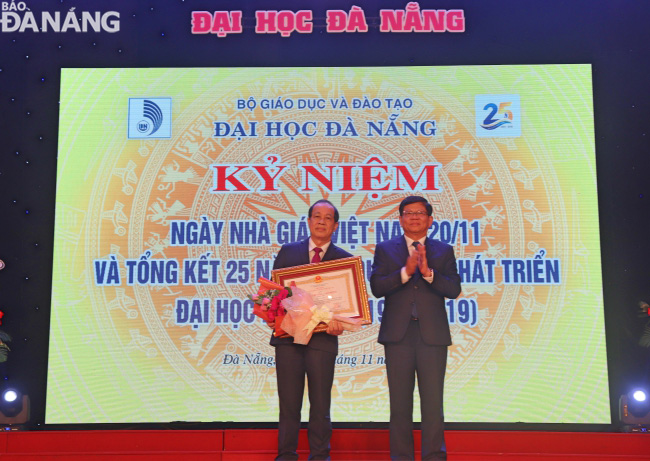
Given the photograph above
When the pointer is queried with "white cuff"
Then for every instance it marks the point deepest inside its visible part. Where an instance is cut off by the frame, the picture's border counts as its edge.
(405, 276)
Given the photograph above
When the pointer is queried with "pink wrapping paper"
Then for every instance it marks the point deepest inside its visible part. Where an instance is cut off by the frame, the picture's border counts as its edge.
(303, 316)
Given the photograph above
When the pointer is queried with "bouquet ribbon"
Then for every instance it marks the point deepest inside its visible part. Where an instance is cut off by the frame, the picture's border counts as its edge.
(318, 315)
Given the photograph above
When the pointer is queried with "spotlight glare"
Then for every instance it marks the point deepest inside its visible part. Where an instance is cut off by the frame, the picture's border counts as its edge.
(14, 407)
(639, 396)
(10, 395)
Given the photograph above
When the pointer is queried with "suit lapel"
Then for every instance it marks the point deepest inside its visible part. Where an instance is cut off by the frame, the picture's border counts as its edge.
(304, 252)
(329, 254)
(401, 249)
(430, 245)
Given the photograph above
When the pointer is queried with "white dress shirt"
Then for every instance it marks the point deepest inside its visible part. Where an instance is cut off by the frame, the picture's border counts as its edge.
(312, 245)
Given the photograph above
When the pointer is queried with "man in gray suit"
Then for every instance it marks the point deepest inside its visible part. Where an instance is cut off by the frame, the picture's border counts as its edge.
(316, 360)
(415, 274)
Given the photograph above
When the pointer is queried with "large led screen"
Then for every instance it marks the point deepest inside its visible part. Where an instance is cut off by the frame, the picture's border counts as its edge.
(176, 188)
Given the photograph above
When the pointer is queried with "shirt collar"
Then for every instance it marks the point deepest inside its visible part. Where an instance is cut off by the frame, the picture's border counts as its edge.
(312, 245)
(409, 241)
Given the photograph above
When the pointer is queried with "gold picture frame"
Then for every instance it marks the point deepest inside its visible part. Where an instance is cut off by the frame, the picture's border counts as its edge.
(340, 282)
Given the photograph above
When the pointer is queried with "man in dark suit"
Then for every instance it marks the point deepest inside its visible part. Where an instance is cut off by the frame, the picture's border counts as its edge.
(415, 274)
(317, 358)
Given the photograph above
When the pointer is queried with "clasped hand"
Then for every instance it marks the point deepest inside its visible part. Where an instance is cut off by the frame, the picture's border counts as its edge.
(417, 259)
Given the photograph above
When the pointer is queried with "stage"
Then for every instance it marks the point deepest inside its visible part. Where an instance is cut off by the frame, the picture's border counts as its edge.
(347, 444)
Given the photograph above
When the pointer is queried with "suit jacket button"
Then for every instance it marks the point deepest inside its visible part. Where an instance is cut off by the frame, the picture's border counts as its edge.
(416, 287)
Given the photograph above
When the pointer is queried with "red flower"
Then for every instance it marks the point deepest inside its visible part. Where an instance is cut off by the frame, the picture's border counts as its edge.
(276, 308)
(268, 302)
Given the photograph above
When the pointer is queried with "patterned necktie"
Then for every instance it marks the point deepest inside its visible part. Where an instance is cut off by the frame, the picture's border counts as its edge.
(316, 258)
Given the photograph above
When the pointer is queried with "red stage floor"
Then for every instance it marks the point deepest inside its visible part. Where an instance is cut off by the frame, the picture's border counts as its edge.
(347, 444)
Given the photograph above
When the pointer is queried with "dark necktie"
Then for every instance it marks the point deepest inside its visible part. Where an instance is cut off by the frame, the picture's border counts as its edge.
(415, 245)
(414, 309)
(316, 258)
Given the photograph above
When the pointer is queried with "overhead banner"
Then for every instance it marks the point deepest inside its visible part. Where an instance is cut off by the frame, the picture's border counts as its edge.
(177, 187)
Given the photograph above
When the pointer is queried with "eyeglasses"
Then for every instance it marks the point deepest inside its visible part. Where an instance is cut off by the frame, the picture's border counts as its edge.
(417, 214)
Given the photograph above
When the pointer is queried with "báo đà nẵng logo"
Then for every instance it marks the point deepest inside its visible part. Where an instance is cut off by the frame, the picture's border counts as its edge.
(18, 17)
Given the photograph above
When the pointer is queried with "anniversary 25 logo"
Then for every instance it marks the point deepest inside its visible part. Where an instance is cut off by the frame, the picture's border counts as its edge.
(18, 17)
(498, 115)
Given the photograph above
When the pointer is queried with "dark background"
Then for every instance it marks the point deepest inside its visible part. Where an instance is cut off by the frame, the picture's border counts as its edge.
(612, 36)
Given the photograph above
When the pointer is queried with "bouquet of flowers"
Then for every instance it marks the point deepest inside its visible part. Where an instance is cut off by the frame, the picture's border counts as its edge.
(303, 316)
(267, 303)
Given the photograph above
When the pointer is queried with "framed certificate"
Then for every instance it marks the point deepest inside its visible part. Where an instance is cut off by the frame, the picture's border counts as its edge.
(339, 284)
